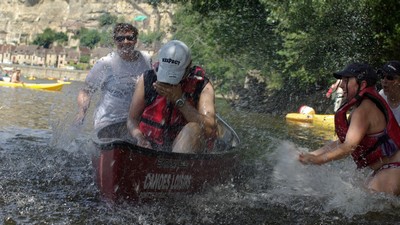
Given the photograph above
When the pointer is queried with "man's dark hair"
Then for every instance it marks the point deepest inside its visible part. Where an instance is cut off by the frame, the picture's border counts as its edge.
(124, 27)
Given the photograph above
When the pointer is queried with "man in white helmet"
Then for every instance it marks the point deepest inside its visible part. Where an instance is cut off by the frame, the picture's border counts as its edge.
(173, 106)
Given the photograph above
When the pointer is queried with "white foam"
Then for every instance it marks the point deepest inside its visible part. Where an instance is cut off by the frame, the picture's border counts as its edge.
(334, 187)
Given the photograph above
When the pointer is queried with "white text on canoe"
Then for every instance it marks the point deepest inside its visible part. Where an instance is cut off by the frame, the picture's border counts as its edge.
(159, 181)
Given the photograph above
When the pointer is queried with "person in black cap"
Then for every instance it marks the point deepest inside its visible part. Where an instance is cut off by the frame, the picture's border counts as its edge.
(390, 79)
(370, 134)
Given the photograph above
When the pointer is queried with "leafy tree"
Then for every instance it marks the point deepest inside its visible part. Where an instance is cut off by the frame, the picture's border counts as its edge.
(84, 59)
(61, 37)
(296, 44)
(49, 36)
(150, 37)
(107, 19)
(227, 37)
(89, 38)
(386, 24)
(321, 37)
(106, 39)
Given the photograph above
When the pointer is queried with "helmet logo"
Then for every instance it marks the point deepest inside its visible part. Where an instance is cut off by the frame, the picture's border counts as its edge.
(169, 60)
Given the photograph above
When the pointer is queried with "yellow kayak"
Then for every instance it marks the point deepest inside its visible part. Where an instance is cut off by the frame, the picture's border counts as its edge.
(40, 86)
(320, 120)
(63, 82)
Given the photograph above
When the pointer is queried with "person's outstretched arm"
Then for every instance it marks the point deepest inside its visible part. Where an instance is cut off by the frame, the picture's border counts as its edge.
(83, 100)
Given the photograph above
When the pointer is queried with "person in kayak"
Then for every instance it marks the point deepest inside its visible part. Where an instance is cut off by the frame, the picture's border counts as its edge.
(173, 106)
(16, 76)
(115, 75)
(390, 79)
(370, 134)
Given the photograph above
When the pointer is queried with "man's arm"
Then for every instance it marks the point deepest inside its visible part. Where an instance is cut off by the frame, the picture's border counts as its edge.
(83, 100)
(204, 114)
(135, 111)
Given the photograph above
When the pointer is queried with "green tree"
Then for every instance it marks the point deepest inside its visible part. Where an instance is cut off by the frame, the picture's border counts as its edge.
(106, 39)
(89, 38)
(48, 37)
(61, 37)
(386, 24)
(150, 37)
(229, 40)
(107, 19)
(321, 37)
(84, 59)
(296, 44)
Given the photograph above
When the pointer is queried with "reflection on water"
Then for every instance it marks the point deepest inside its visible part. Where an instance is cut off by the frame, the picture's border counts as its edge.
(47, 177)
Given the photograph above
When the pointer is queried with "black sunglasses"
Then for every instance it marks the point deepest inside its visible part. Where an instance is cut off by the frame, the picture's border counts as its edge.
(386, 72)
(127, 37)
(387, 76)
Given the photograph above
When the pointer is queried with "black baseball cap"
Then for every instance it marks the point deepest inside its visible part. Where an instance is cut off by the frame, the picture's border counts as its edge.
(361, 71)
(391, 68)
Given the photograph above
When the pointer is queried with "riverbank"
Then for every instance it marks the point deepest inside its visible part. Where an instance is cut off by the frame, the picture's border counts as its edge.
(48, 73)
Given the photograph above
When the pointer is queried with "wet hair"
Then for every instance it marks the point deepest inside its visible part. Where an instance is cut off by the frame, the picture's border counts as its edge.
(124, 27)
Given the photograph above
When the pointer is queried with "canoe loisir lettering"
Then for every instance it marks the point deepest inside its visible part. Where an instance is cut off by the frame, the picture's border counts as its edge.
(160, 181)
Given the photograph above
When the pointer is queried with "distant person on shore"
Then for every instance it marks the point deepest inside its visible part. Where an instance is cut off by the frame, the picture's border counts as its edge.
(336, 92)
(115, 76)
(173, 107)
(16, 76)
(370, 134)
(390, 80)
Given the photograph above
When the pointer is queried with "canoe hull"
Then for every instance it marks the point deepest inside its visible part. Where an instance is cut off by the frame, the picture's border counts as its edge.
(130, 173)
(39, 86)
(125, 171)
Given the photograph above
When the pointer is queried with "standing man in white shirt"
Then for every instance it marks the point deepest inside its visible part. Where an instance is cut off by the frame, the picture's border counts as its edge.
(390, 79)
(115, 76)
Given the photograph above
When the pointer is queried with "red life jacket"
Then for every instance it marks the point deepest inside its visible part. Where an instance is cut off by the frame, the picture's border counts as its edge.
(161, 122)
(372, 147)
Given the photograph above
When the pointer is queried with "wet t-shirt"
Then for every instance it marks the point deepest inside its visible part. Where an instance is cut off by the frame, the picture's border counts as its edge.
(396, 111)
(115, 78)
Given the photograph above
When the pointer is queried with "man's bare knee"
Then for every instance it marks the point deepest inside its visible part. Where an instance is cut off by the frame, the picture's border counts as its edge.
(189, 139)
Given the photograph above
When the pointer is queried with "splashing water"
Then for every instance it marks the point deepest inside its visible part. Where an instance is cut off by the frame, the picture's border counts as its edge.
(67, 135)
(336, 187)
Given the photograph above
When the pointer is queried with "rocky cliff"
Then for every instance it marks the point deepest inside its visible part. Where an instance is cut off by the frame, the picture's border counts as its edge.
(21, 20)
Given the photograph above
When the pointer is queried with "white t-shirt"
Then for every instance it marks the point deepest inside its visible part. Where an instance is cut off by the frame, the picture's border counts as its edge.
(116, 79)
(396, 111)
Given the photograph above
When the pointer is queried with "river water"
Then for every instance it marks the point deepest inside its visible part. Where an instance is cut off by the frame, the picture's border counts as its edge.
(46, 175)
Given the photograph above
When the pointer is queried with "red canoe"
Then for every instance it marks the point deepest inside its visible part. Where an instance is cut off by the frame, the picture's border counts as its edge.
(125, 171)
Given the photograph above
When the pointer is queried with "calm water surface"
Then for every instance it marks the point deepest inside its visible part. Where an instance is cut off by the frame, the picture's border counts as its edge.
(46, 176)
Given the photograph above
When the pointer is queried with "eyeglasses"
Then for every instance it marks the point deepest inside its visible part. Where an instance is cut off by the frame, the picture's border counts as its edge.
(389, 71)
(127, 37)
(387, 76)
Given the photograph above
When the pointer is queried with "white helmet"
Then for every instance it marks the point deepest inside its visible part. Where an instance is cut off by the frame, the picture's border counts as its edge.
(173, 59)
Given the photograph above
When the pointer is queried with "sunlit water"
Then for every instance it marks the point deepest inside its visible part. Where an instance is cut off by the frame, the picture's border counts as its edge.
(46, 175)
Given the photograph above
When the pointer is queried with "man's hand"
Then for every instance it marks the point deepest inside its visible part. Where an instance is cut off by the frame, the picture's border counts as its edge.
(171, 92)
(142, 142)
